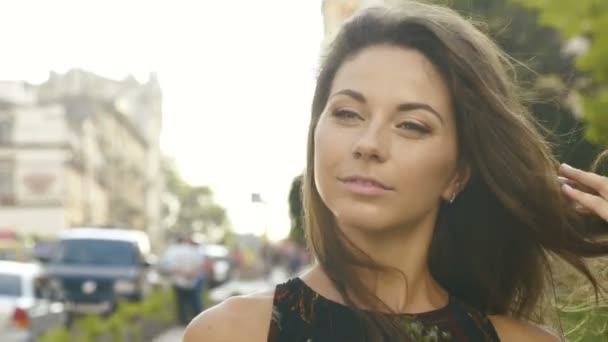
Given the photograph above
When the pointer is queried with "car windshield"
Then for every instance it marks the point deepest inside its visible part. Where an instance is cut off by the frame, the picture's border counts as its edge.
(10, 285)
(95, 252)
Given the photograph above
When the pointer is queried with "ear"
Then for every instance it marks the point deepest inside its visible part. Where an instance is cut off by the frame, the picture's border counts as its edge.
(459, 181)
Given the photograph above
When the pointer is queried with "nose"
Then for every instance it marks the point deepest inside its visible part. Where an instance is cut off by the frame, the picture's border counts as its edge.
(371, 145)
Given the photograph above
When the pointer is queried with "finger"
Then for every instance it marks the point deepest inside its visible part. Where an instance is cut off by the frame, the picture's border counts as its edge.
(593, 203)
(577, 206)
(581, 209)
(576, 185)
(564, 180)
(592, 180)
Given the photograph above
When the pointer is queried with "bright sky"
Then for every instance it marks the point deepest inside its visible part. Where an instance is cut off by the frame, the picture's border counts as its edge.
(237, 78)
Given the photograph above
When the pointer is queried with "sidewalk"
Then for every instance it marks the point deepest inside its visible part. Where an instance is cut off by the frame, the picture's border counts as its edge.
(171, 335)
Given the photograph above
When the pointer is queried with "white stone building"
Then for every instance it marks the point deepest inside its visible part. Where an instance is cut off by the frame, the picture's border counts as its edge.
(80, 149)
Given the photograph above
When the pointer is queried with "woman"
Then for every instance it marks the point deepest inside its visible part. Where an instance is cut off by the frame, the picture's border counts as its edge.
(432, 202)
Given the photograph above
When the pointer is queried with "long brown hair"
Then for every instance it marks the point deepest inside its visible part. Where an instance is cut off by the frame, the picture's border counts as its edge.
(491, 247)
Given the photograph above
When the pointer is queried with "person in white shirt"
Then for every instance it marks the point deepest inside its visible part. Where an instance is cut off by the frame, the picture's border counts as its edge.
(183, 262)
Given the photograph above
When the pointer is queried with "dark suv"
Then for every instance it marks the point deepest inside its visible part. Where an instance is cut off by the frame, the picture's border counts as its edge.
(96, 267)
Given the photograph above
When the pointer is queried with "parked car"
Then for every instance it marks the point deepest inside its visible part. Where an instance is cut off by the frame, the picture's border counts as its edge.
(42, 250)
(96, 267)
(29, 302)
(218, 263)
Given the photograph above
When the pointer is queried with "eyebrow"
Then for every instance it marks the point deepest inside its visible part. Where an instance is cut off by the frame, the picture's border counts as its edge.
(402, 107)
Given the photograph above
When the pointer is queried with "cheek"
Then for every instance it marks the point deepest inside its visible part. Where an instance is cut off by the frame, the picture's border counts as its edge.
(322, 155)
(329, 152)
(326, 143)
(427, 172)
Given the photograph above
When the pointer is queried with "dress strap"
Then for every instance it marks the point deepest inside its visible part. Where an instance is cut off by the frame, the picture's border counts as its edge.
(292, 311)
(475, 324)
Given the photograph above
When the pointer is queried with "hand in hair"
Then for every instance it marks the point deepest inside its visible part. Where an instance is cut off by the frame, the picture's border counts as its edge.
(588, 190)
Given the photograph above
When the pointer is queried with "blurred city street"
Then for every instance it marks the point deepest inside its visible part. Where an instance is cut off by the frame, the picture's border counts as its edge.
(152, 154)
(233, 287)
(243, 287)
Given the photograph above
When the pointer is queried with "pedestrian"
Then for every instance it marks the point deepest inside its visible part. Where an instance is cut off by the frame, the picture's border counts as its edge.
(294, 259)
(183, 262)
(266, 258)
(202, 279)
(432, 201)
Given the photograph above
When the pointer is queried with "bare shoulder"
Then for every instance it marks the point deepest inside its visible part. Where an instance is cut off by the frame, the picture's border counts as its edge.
(238, 318)
(510, 329)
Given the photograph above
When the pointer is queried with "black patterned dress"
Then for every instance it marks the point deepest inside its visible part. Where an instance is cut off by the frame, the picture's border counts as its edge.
(301, 314)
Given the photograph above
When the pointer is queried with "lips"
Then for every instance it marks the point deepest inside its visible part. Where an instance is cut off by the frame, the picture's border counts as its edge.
(364, 181)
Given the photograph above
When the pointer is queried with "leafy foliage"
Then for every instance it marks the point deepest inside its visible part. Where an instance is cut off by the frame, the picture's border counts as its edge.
(296, 212)
(587, 19)
(195, 209)
(125, 321)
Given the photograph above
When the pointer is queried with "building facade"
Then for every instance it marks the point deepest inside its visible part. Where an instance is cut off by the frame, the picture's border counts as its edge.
(80, 149)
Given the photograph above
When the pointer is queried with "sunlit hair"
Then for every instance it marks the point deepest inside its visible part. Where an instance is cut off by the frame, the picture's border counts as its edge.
(491, 247)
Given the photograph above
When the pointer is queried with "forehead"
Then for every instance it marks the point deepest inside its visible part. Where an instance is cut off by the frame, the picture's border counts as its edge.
(393, 73)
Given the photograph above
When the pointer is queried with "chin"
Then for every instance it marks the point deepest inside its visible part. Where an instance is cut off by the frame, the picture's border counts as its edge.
(363, 218)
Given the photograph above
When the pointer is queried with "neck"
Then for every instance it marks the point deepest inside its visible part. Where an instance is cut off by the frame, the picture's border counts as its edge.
(412, 289)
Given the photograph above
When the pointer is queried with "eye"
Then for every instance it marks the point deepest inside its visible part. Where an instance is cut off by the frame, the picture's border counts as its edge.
(346, 114)
(413, 126)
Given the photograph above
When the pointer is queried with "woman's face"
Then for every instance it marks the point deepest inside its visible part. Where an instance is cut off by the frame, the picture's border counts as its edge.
(385, 145)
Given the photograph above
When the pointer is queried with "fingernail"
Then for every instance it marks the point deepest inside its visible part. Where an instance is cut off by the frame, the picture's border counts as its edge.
(566, 187)
(566, 166)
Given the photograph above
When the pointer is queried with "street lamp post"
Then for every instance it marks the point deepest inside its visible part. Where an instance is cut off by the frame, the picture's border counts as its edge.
(257, 198)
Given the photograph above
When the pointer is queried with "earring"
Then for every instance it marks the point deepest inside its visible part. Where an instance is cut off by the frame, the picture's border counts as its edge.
(453, 198)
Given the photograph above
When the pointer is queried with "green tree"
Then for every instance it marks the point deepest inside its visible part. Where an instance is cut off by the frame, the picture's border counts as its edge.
(296, 212)
(544, 71)
(537, 38)
(195, 209)
(588, 20)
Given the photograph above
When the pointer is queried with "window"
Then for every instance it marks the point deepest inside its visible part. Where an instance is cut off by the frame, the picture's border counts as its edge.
(6, 128)
(10, 285)
(6, 182)
(44, 289)
(96, 252)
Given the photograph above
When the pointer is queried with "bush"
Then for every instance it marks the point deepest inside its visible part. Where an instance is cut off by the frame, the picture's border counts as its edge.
(583, 319)
(585, 323)
(125, 324)
(57, 335)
